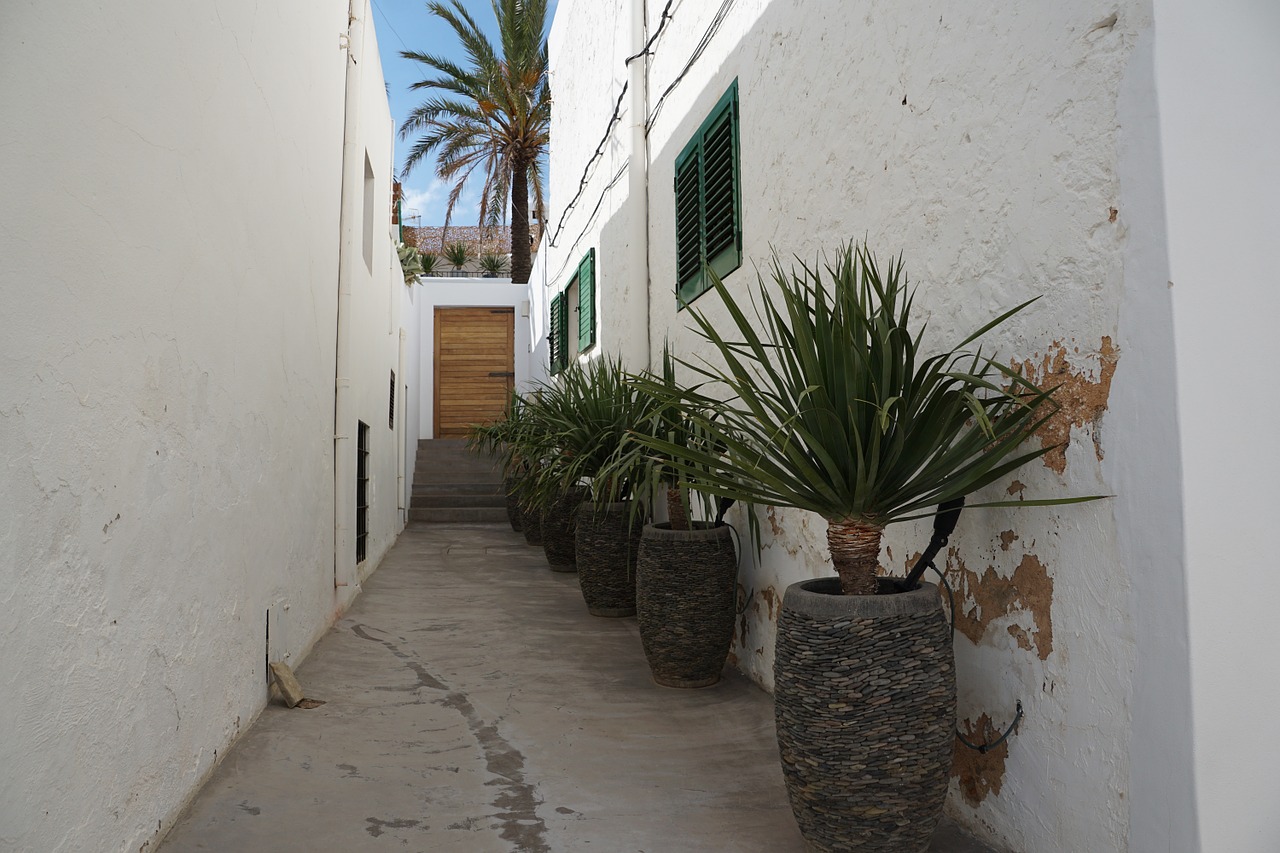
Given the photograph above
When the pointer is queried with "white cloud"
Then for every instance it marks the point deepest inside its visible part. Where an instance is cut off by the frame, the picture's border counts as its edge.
(428, 197)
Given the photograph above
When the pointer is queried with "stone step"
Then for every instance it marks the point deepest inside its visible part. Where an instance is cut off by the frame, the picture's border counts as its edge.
(473, 488)
(456, 501)
(473, 514)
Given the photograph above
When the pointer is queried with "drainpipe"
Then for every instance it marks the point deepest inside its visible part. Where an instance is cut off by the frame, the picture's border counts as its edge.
(401, 452)
(348, 225)
(638, 168)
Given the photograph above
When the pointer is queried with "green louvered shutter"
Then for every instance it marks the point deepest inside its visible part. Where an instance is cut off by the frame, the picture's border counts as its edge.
(708, 202)
(587, 302)
(688, 220)
(555, 335)
(721, 221)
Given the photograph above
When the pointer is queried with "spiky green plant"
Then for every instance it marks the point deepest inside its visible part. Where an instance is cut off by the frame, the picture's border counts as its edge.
(458, 253)
(427, 262)
(831, 405)
(493, 265)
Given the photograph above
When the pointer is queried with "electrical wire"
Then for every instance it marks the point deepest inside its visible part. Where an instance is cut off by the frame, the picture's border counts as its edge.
(389, 24)
(588, 170)
(703, 43)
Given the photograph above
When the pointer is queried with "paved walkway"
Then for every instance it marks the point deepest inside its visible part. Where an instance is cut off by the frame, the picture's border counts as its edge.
(473, 705)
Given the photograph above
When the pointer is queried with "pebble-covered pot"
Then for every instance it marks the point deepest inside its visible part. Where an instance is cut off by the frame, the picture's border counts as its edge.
(686, 583)
(558, 519)
(865, 704)
(608, 543)
(531, 525)
(513, 505)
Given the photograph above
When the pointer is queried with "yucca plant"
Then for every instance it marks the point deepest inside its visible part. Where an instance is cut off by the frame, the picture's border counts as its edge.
(427, 262)
(493, 265)
(587, 415)
(458, 254)
(832, 405)
(668, 423)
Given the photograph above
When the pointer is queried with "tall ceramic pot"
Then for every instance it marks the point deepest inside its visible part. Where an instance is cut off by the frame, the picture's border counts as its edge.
(514, 515)
(865, 703)
(558, 521)
(607, 544)
(686, 582)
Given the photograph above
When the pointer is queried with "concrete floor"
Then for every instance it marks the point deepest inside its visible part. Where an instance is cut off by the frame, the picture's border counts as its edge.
(473, 705)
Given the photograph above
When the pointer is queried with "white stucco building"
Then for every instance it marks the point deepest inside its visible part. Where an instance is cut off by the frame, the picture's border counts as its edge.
(1116, 159)
(208, 386)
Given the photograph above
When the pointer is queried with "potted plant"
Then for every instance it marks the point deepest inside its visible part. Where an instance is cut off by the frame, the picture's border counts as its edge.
(459, 254)
(493, 265)
(427, 263)
(502, 438)
(687, 568)
(593, 409)
(831, 405)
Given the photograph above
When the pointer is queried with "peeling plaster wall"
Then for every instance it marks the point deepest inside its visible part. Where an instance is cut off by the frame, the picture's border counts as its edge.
(985, 143)
(170, 230)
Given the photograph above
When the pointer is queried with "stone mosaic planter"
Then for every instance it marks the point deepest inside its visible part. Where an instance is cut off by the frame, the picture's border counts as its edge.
(865, 703)
(686, 595)
(608, 544)
(531, 526)
(558, 522)
(513, 505)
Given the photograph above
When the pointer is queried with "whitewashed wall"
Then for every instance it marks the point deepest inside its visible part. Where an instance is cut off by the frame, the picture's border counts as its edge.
(597, 199)
(459, 293)
(1217, 72)
(381, 306)
(1007, 152)
(170, 233)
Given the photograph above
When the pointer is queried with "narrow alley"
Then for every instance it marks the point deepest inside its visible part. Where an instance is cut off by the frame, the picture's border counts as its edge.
(472, 704)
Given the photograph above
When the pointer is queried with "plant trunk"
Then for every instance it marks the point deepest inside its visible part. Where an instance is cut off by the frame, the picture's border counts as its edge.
(677, 510)
(855, 551)
(521, 263)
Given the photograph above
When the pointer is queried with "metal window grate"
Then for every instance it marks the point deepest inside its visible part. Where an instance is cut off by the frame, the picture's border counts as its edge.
(391, 408)
(362, 490)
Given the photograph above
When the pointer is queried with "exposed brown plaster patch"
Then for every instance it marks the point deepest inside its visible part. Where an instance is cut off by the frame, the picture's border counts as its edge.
(979, 774)
(989, 597)
(1082, 400)
(1020, 636)
(1007, 538)
(744, 626)
(1017, 487)
(772, 602)
(732, 660)
(771, 513)
(1112, 214)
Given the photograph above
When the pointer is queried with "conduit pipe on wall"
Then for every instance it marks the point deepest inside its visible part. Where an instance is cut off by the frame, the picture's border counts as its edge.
(638, 168)
(348, 222)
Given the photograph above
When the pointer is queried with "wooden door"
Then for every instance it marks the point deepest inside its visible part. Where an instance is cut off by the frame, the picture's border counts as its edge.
(474, 367)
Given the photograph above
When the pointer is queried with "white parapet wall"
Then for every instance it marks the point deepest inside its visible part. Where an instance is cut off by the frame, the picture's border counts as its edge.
(170, 235)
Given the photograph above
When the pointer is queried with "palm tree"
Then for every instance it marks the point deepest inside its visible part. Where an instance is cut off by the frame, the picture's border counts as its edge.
(492, 113)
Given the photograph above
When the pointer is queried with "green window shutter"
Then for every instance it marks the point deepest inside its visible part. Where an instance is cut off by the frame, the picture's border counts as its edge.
(563, 323)
(555, 335)
(708, 201)
(587, 302)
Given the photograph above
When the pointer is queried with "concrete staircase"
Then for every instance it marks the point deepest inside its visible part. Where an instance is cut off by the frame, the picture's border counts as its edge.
(451, 485)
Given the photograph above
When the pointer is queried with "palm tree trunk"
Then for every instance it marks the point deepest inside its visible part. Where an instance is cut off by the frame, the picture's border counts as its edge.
(855, 551)
(521, 263)
(677, 513)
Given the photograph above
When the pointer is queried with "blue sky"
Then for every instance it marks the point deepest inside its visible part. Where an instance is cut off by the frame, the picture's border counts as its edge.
(406, 24)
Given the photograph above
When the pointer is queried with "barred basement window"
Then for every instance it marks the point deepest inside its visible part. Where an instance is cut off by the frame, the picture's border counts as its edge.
(391, 408)
(708, 203)
(362, 489)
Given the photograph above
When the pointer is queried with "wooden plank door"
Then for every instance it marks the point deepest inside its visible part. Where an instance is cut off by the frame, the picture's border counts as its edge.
(474, 367)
